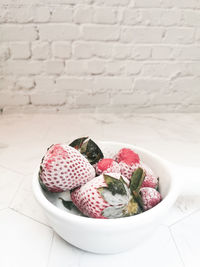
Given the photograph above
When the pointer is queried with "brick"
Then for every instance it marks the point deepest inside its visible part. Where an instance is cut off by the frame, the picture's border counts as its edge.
(131, 16)
(21, 14)
(96, 67)
(20, 50)
(193, 69)
(61, 49)
(44, 82)
(160, 17)
(42, 14)
(105, 15)
(141, 52)
(76, 67)
(187, 53)
(121, 51)
(142, 35)
(40, 50)
(54, 66)
(61, 14)
(92, 100)
(149, 85)
(179, 35)
(115, 67)
(82, 50)
(18, 33)
(100, 33)
(102, 50)
(167, 70)
(58, 32)
(133, 67)
(112, 2)
(7, 82)
(113, 83)
(161, 52)
(147, 3)
(23, 67)
(4, 52)
(13, 99)
(186, 3)
(186, 84)
(25, 83)
(79, 84)
(170, 17)
(191, 17)
(129, 99)
(83, 14)
(46, 98)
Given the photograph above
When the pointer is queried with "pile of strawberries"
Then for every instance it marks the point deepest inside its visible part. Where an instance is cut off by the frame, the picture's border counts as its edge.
(100, 187)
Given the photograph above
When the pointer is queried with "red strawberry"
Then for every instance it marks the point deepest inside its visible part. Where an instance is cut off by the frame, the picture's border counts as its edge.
(105, 196)
(63, 167)
(128, 156)
(107, 165)
(128, 161)
(150, 197)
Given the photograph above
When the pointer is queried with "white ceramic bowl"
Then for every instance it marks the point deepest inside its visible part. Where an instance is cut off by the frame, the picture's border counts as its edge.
(116, 235)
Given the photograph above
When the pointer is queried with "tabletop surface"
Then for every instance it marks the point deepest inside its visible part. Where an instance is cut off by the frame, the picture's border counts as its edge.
(26, 239)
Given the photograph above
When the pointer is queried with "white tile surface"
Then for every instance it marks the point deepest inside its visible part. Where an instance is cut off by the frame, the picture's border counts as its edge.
(186, 235)
(23, 241)
(23, 141)
(24, 202)
(9, 183)
(152, 252)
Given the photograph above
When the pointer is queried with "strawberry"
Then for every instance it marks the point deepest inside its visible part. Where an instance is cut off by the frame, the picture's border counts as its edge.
(105, 196)
(150, 197)
(107, 165)
(150, 179)
(128, 156)
(63, 167)
(129, 161)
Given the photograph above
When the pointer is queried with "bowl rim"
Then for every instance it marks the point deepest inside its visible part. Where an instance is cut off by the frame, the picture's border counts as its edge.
(141, 218)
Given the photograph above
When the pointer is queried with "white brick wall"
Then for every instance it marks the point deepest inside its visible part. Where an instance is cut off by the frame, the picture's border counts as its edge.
(132, 55)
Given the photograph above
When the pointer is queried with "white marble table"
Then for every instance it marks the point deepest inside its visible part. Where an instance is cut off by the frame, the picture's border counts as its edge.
(26, 239)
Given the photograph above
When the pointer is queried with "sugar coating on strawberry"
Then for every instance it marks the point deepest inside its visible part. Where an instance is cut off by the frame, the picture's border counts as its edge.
(128, 156)
(107, 165)
(127, 170)
(150, 197)
(63, 167)
(105, 196)
(150, 180)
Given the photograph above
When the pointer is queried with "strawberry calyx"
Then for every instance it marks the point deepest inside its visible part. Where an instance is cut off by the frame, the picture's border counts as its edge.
(88, 148)
(118, 195)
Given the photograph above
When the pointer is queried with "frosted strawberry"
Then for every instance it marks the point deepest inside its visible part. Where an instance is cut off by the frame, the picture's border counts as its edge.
(107, 166)
(150, 197)
(105, 196)
(63, 167)
(150, 180)
(128, 161)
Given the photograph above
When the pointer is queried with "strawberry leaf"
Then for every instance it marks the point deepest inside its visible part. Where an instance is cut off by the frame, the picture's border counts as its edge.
(88, 148)
(137, 179)
(67, 204)
(77, 143)
(113, 199)
(115, 186)
(113, 212)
